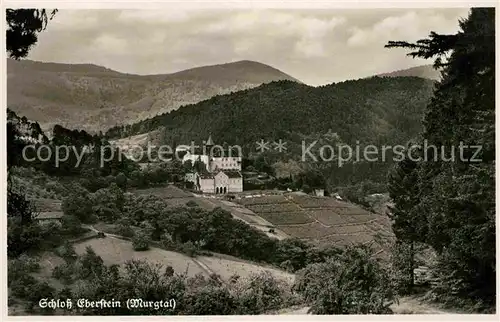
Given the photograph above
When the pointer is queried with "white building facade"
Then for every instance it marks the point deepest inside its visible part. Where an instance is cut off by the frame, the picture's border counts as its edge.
(206, 184)
(225, 163)
(223, 173)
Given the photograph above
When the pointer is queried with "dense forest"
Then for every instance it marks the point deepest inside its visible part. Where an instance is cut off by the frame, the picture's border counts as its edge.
(378, 111)
(385, 110)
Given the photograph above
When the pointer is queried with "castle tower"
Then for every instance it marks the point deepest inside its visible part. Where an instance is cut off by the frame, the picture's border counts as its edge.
(208, 149)
(209, 144)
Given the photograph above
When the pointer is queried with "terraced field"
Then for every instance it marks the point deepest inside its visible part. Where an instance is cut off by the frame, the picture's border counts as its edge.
(322, 219)
(287, 218)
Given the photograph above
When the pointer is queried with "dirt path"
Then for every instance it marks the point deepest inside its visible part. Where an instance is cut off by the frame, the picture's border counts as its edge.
(204, 267)
(414, 305)
(407, 305)
(105, 233)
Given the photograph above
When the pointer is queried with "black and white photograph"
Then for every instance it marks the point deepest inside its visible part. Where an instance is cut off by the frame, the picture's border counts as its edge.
(240, 158)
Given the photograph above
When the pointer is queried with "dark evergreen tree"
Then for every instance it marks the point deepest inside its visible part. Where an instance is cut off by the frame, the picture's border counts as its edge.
(457, 196)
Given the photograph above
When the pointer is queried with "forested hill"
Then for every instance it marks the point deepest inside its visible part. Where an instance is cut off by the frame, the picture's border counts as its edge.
(383, 110)
(425, 71)
(94, 98)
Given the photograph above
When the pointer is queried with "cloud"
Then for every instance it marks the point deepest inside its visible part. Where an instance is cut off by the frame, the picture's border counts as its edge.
(109, 43)
(155, 17)
(305, 34)
(315, 46)
(410, 26)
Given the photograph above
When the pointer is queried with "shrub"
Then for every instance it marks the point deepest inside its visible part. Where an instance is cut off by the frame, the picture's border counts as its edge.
(351, 283)
(65, 293)
(125, 231)
(39, 291)
(79, 204)
(22, 286)
(121, 180)
(140, 242)
(263, 292)
(169, 271)
(31, 264)
(191, 203)
(189, 249)
(209, 300)
(64, 273)
(70, 225)
(67, 252)
(90, 264)
(51, 235)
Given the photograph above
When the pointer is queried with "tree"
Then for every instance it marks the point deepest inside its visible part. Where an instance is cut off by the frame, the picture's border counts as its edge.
(458, 195)
(188, 165)
(407, 224)
(22, 237)
(71, 225)
(23, 28)
(124, 228)
(108, 203)
(121, 181)
(151, 283)
(199, 166)
(23, 233)
(351, 283)
(79, 204)
(92, 265)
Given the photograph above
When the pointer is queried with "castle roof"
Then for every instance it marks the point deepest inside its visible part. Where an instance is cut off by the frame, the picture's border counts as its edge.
(206, 176)
(232, 174)
(209, 141)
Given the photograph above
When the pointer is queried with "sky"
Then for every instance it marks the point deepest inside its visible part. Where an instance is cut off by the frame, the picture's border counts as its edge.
(316, 46)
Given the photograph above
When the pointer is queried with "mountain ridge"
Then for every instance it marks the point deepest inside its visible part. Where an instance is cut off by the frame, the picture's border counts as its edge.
(423, 71)
(95, 98)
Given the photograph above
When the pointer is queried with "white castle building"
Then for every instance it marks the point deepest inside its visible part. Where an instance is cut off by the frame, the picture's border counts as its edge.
(222, 175)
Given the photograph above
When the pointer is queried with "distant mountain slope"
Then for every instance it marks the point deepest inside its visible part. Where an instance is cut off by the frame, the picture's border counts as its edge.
(380, 111)
(94, 98)
(425, 71)
(365, 109)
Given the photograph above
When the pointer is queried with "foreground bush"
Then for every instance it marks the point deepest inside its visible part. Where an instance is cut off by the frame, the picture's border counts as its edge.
(140, 242)
(350, 283)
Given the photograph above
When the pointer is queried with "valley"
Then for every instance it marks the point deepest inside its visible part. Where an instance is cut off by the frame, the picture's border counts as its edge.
(134, 213)
(282, 207)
